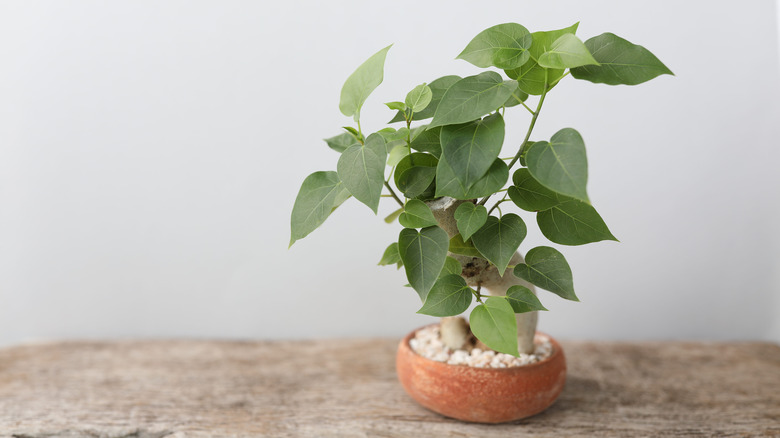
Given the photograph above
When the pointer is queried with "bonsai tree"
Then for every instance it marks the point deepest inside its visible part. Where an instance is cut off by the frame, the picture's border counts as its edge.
(458, 241)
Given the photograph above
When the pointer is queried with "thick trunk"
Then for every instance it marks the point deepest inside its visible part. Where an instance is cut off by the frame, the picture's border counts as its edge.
(478, 272)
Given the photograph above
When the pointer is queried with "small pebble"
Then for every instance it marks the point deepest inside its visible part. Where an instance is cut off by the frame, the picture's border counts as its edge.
(427, 343)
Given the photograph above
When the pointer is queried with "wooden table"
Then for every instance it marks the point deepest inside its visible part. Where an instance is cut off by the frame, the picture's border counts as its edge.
(348, 388)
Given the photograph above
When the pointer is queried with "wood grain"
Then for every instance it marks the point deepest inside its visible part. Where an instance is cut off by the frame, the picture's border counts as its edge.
(348, 388)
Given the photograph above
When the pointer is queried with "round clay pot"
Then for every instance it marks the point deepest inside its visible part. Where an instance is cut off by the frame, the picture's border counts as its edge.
(482, 395)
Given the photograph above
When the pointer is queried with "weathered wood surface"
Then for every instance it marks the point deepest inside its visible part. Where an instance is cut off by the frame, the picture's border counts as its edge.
(347, 388)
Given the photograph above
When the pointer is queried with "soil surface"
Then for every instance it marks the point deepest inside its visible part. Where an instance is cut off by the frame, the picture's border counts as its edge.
(427, 343)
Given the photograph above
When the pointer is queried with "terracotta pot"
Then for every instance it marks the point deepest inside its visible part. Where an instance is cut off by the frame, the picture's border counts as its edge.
(482, 395)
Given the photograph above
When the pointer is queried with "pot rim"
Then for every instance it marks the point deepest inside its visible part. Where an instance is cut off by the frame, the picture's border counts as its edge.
(556, 351)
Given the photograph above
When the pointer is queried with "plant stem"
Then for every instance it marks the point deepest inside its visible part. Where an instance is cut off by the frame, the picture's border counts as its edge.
(526, 107)
(560, 78)
(392, 193)
(497, 203)
(531, 126)
(478, 293)
(409, 137)
(527, 134)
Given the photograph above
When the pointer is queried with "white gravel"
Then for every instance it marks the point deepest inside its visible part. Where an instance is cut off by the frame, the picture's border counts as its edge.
(427, 343)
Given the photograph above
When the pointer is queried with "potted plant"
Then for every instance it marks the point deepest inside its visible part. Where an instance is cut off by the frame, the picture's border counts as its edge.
(459, 242)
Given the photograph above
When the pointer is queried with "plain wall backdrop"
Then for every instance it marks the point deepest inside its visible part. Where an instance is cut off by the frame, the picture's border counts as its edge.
(151, 152)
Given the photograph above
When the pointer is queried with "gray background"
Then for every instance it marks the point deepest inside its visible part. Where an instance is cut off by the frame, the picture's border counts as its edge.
(150, 154)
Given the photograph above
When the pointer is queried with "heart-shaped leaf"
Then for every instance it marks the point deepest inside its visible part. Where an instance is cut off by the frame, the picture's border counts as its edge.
(417, 214)
(341, 142)
(523, 300)
(471, 148)
(471, 98)
(493, 181)
(451, 266)
(469, 218)
(391, 256)
(528, 194)
(503, 46)
(566, 52)
(621, 62)
(450, 184)
(415, 159)
(461, 247)
(498, 239)
(361, 83)
(494, 324)
(414, 181)
(449, 296)
(561, 164)
(419, 98)
(427, 140)
(320, 194)
(532, 77)
(548, 269)
(573, 223)
(423, 253)
(362, 170)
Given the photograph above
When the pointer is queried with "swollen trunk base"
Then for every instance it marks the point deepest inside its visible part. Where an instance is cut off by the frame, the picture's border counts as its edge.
(479, 272)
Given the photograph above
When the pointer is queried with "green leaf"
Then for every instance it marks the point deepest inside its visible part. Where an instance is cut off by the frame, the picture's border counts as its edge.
(493, 181)
(523, 300)
(355, 134)
(504, 46)
(361, 83)
(532, 77)
(394, 215)
(419, 98)
(420, 160)
(573, 223)
(449, 296)
(528, 194)
(498, 239)
(341, 142)
(399, 106)
(471, 148)
(416, 180)
(621, 62)
(415, 159)
(320, 193)
(417, 214)
(398, 153)
(461, 247)
(516, 97)
(494, 324)
(448, 183)
(469, 218)
(391, 256)
(427, 140)
(438, 87)
(566, 52)
(451, 266)
(548, 269)
(471, 98)
(423, 253)
(362, 169)
(561, 164)
(391, 134)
